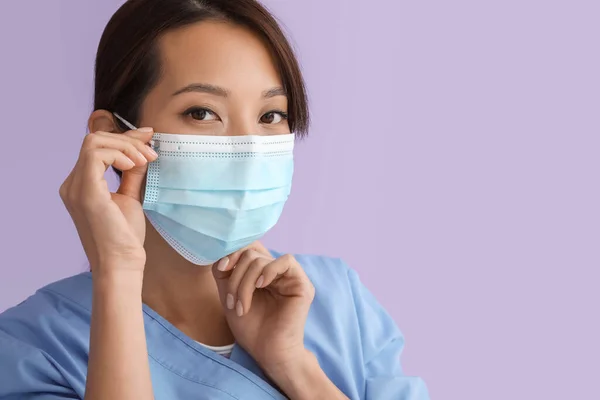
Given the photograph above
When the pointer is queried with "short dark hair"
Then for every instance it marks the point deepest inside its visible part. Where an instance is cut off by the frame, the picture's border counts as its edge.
(128, 63)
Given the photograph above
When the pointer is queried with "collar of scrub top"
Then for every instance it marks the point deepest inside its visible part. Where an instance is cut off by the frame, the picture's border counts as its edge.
(239, 360)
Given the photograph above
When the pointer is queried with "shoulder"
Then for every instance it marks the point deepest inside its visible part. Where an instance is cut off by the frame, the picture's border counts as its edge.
(44, 340)
(66, 294)
(356, 340)
(341, 299)
(343, 302)
(337, 291)
(53, 314)
(335, 283)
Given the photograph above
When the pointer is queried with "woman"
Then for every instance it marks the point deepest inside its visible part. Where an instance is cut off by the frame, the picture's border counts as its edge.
(182, 301)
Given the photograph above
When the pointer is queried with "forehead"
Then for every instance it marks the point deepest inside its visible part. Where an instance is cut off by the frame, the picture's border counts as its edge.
(217, 53)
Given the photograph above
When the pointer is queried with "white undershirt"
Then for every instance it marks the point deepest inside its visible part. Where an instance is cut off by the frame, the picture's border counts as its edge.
(224, 351)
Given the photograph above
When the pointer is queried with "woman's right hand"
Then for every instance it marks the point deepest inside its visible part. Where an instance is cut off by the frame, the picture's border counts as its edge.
(111, 226)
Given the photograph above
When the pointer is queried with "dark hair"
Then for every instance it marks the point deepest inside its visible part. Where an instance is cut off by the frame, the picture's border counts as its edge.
(128, 64)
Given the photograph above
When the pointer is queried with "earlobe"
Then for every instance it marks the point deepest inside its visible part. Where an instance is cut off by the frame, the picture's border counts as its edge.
(102, 120)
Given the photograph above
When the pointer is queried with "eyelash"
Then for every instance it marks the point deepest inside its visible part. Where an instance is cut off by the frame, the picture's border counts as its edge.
(190, 111)
(284, 115)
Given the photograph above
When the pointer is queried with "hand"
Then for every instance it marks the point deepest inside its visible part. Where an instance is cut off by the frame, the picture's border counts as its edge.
(111, 226)
(266, 303)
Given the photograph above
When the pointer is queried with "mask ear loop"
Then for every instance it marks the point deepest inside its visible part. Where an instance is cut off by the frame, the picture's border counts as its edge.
(127, 123)
(130, 126)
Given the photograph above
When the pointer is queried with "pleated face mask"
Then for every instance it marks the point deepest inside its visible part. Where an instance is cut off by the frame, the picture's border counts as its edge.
(209, 196)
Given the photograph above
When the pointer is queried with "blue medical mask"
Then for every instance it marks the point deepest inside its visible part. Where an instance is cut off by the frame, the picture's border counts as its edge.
(209, 196)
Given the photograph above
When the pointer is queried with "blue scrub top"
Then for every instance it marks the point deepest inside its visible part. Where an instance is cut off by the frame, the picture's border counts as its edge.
(44, 346)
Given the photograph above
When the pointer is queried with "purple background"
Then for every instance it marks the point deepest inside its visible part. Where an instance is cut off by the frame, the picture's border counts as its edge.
(453, 161)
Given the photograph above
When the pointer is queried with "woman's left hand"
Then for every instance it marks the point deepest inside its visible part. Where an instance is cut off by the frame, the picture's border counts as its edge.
(266, 302)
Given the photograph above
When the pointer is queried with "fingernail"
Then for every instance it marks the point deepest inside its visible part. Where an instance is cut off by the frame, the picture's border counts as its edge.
(239, 309)
(155, 154)
(145, 130)
(142, 156)
(230, 301)
(131, 162)
(222, 265)
(260, 281)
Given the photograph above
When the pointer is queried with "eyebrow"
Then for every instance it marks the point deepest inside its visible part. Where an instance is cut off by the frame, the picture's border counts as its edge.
(277, 91)
(219, 91)
(203, 88)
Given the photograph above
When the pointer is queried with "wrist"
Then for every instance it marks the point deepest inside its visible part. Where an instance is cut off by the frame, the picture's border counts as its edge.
(303, 378)
(134, 260)
(123, 281)
(114, 265)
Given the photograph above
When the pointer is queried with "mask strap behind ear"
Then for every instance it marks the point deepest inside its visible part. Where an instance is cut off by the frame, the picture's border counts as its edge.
(132, 127)
(123, 120)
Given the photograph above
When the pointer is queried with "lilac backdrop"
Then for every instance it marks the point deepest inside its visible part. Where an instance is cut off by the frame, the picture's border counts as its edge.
(453, 161)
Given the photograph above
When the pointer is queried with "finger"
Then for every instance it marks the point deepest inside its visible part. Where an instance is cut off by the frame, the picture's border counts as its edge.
(95, 162)
(89, 178)
(273, 271)
(221, 278)
(102, 141)
(256, 246)
(139, 138)
(248, 285)
(222, 271)
(287, 277)
(143, 134)
(236, 278)
(132, 181)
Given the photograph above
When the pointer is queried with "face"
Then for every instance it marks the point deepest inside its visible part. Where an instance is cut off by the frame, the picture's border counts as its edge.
(216, 79)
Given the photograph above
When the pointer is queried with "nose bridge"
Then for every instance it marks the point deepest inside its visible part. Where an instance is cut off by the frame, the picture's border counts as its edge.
(242, 129)
(242, 120)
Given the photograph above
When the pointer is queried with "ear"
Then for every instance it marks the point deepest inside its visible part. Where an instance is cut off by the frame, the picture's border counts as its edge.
(102, 120)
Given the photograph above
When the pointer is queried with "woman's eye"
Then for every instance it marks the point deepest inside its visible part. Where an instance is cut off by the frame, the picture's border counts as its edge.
(202, 114)
(273, 117)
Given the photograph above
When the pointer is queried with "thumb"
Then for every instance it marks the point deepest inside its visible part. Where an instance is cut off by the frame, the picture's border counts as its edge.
(132, 181)
(222, 270)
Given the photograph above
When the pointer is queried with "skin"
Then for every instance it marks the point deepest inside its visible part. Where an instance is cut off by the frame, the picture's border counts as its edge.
(248, 297)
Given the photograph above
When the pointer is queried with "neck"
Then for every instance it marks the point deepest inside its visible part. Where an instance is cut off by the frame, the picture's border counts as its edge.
(183, 293)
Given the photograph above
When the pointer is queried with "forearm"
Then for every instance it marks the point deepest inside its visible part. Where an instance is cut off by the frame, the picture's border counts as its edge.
(118, 365)
(304, 379)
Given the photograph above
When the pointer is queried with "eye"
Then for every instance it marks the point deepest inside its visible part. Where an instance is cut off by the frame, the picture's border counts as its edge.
(201, 114)
(273, 117)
